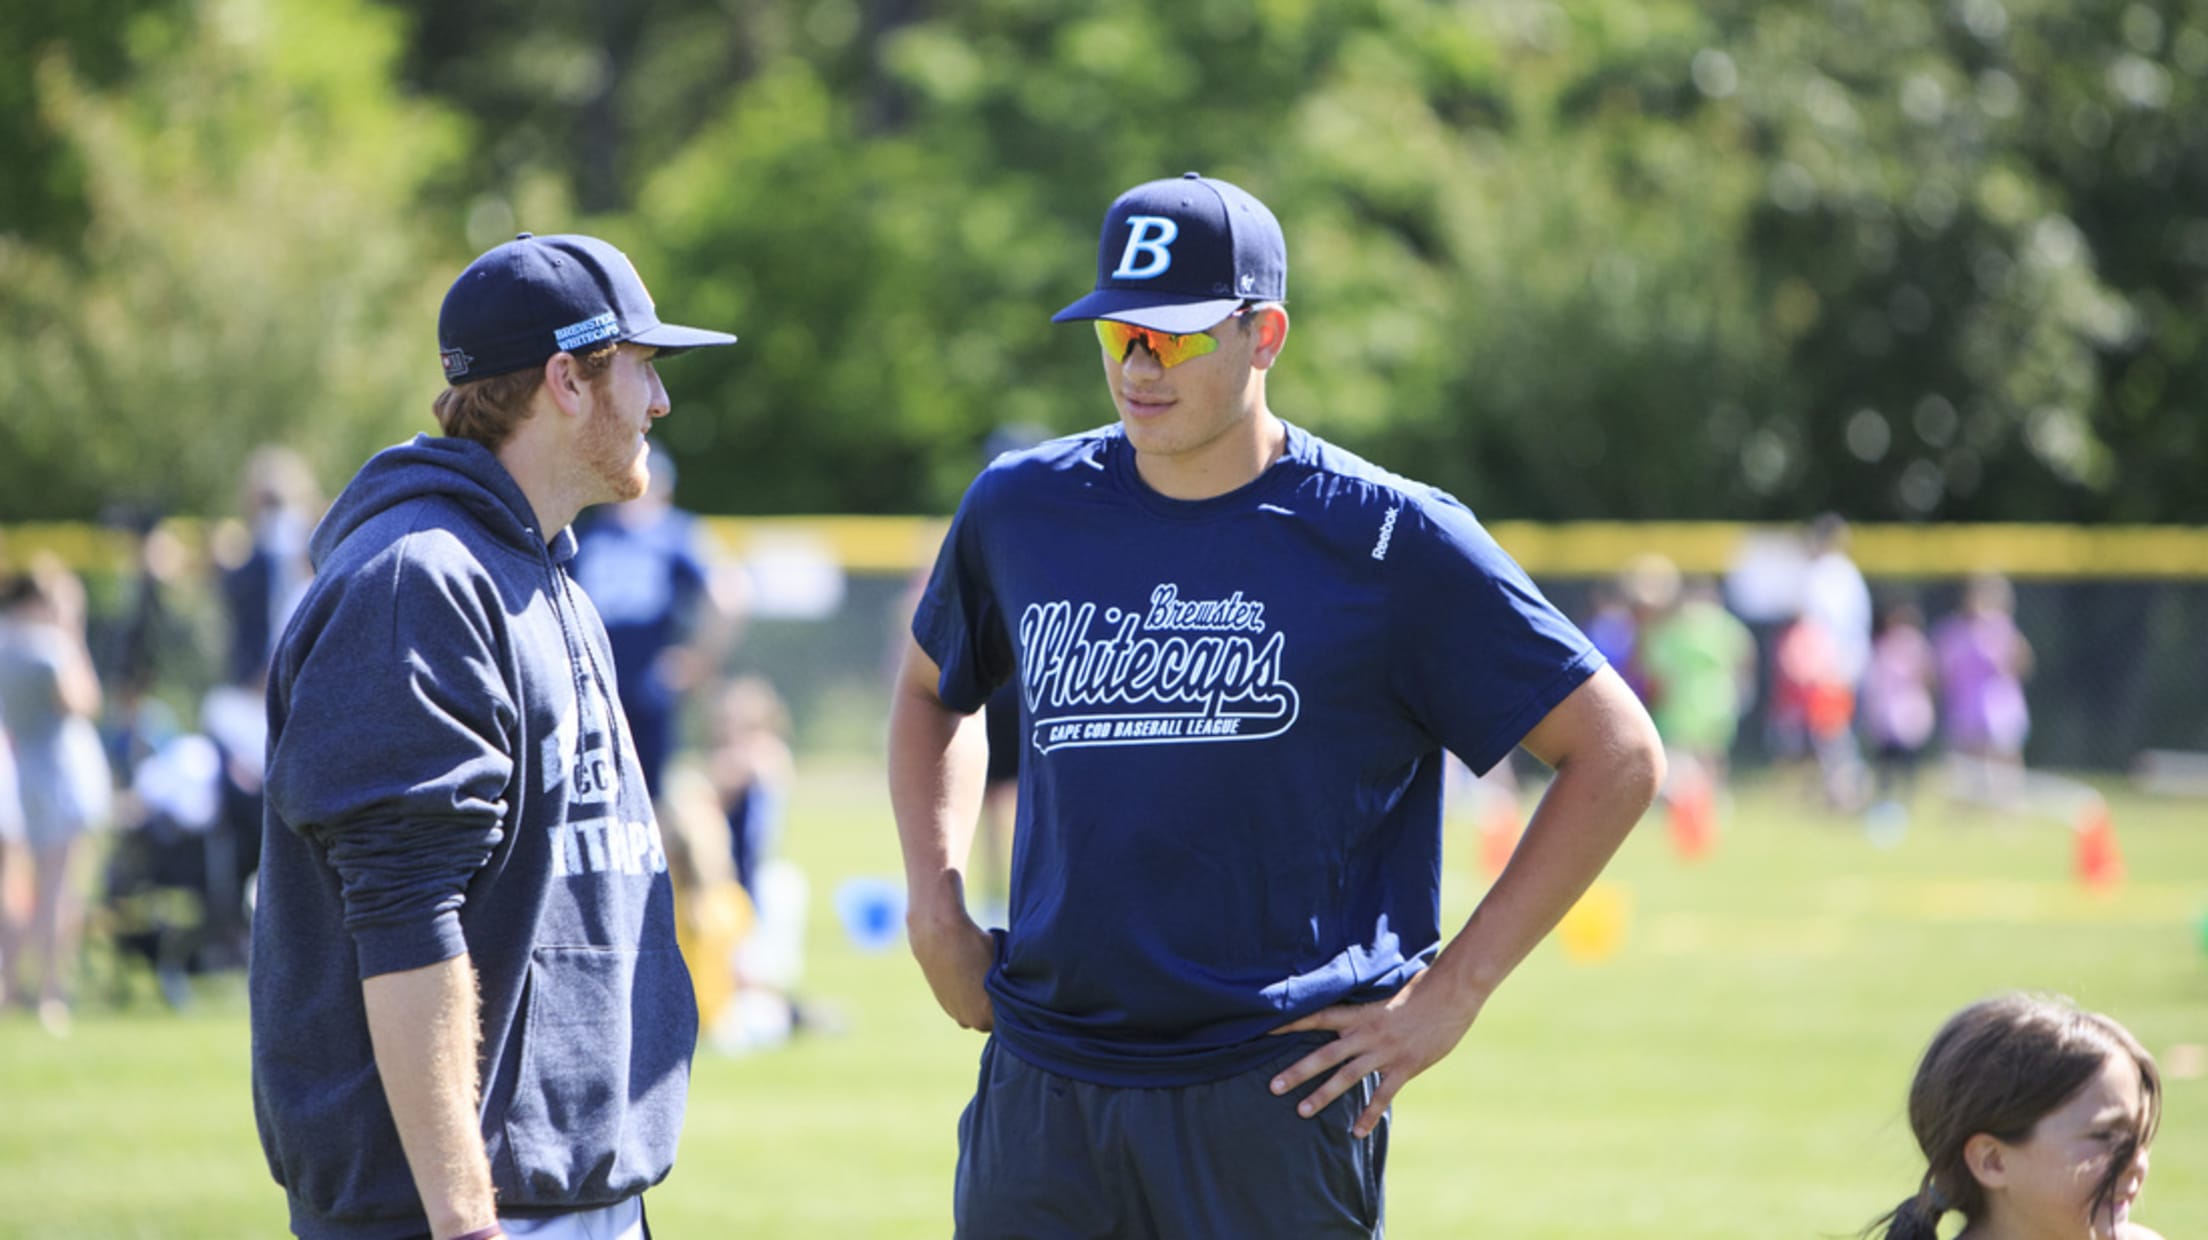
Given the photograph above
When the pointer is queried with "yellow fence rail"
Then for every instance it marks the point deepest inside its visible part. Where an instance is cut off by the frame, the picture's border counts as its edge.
(1598, 548)
(1550, 549)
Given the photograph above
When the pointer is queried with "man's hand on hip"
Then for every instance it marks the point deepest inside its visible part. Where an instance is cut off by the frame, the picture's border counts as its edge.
(955, 955)
(1398, 1037)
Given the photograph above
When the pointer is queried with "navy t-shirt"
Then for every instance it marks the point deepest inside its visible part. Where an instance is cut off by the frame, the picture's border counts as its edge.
(1233, 712)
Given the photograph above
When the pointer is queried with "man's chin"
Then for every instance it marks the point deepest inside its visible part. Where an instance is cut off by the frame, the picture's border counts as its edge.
(620, 488)
(632, 485)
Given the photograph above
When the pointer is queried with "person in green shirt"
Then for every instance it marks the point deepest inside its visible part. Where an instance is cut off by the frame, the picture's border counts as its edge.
(1701, 665)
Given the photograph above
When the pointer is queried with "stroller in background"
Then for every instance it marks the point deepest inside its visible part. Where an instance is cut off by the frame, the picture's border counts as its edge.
(178, 884)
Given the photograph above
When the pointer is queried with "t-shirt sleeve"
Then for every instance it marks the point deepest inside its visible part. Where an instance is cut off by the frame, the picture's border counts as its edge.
(959, 621)
(1478, 655)
(395, 755)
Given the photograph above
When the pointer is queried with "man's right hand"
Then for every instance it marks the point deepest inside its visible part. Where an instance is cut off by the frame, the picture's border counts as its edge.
(955, 955)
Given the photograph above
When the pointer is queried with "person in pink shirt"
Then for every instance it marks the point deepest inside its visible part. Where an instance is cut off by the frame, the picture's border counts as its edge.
(1898, 712)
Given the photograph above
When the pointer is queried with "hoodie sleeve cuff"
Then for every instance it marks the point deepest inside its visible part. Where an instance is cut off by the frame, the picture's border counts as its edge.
(396, 949)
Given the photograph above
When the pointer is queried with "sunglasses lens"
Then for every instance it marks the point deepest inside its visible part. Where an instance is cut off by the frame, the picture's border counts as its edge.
(1170, 350)
(1116, 338)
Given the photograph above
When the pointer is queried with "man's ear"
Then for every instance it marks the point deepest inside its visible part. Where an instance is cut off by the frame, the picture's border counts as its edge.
(1987, 1159)
(1271, 325)
(564, 382)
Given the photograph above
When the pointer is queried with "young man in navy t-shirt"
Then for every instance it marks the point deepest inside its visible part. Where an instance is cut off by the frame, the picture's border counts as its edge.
(1240, 652)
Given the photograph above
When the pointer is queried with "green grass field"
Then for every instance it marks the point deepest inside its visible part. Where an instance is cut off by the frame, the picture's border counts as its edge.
(1736, 1069)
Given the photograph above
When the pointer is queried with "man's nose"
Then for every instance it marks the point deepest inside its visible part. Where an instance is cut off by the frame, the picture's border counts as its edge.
(1140, 362)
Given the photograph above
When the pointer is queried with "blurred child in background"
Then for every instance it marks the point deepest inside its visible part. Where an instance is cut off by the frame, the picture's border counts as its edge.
(1701, 665)
(2034, 1118)
(1813, 710)
(15, 892)
(1612, 626)
(1983, 662)
(50, 698)
(1698, 665)
(1648, 585)
(712, 913)
(749, 761)
(741, 909)
(1898, 715)
(1835, 595)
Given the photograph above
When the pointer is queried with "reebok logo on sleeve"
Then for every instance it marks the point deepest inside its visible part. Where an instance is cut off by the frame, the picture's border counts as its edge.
(1387, 531)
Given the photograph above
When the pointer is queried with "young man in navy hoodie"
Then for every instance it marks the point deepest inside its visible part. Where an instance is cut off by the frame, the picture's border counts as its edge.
(469, 1015)
(1240, 652)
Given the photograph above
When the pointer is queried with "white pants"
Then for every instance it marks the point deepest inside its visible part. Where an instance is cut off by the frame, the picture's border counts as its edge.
(617, 1222)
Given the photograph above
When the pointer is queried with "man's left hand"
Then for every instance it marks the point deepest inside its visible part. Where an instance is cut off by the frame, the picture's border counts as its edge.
(1398, 1037)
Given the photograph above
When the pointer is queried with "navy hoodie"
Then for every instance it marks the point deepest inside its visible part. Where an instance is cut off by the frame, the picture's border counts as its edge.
(447, 774)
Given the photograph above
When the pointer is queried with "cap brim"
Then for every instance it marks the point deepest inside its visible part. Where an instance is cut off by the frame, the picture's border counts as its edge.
(1146, 310)
(671, 339)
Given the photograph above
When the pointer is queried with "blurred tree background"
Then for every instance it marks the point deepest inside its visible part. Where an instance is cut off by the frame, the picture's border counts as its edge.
(1619, 258)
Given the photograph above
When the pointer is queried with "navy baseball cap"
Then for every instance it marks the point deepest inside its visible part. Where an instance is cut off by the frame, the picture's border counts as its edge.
(532, 297)
(1179, 255)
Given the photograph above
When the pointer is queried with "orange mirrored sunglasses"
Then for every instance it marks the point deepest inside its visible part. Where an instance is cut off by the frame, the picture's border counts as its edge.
(1169, 349)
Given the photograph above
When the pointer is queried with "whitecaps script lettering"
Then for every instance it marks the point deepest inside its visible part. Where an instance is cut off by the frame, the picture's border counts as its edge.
(1178, 671)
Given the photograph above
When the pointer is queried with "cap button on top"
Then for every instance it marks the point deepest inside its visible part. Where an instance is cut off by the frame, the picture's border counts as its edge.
(523, 236)
(1192, 176)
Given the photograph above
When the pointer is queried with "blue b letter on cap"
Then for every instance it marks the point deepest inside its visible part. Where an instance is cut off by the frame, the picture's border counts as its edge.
(1148, 235)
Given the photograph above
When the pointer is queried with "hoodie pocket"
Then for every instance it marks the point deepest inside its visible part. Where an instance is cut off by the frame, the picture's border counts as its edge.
(605, 1066)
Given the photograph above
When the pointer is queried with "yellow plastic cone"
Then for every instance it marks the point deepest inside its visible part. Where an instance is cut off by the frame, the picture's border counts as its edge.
(1596, 927)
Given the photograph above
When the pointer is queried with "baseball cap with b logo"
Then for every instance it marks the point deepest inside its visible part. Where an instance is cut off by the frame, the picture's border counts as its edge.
(1179, 255)
(532, 297)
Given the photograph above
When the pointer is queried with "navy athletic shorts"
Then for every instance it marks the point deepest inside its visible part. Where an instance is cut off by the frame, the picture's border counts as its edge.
(1047, 1157)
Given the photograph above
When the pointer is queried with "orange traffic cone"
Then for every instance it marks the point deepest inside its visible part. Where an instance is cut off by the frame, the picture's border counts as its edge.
(2098, 862)
(1499, 831)
(1693, 803)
